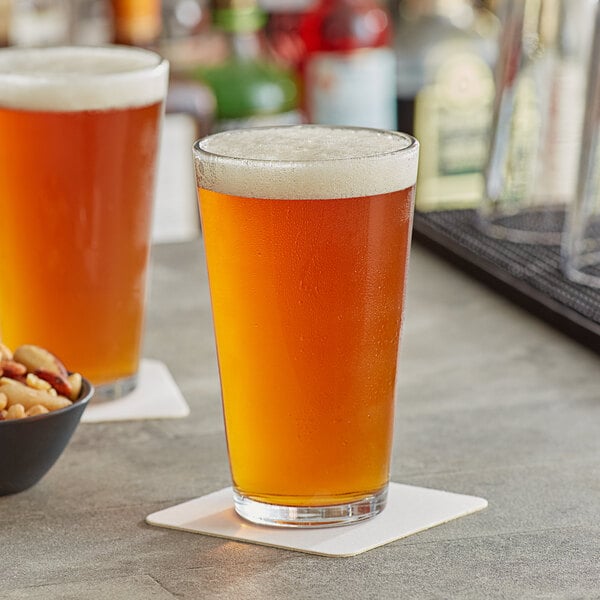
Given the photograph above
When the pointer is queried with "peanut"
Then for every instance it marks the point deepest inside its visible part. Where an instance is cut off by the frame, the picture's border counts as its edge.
(38, 409)
(76, 381)
(5, 352)
(34, 382)
(19, 393)
(13, 369)
(37, 383)
(36, 358)
(15, 411)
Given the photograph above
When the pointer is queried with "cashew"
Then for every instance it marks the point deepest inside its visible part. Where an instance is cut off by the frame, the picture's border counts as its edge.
(36, 358)
(15, 411)
(5, 352)
(38, 409)
(18, 393)
(75, 380)
(37, 383)
(33, 382)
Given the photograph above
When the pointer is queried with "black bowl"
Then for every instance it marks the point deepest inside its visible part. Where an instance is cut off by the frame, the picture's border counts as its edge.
(30, 446)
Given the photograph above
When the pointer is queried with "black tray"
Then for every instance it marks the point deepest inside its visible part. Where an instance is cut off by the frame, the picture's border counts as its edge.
(528, 274)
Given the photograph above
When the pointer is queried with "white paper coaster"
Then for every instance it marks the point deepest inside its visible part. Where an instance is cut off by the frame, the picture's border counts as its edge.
(155, 397)
(409, 510)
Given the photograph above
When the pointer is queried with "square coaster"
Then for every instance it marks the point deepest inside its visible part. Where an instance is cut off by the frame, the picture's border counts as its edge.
(155, 397)
(409, 510)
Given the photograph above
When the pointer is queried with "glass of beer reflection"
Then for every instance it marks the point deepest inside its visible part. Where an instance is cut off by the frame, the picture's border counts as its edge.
(78, 147)
(307, 233)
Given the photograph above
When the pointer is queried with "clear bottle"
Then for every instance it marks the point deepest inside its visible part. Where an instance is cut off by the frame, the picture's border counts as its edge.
(251, 89)
(446, 51)
(349, 71)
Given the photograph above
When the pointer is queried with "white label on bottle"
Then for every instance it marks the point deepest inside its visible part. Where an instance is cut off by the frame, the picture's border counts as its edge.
(356, 88)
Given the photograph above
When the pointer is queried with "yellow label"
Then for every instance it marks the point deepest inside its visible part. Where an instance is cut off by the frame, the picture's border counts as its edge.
(452, 122)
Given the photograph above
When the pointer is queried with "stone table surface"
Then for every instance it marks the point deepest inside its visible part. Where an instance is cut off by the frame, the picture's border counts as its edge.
(491, 402)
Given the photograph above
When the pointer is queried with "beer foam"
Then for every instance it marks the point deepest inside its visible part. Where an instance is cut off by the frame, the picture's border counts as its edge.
(81, 78)
(306, 162)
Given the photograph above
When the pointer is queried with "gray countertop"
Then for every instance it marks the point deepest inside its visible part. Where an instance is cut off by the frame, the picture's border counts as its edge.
(491, 402)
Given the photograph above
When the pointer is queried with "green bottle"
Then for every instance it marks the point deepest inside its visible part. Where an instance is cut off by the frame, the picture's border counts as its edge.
(250, 88)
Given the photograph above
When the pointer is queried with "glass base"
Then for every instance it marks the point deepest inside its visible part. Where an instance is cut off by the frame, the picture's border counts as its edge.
(543, 226)
(115, 389)
(589, 277)
(335, 515)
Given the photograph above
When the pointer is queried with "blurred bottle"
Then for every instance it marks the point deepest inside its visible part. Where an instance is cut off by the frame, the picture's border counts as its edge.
(491, 5)
(137, 22)
(40, 23)
(186, 41)
(91, 22)
(283, 30)
(187, 38)
(446, 51)
(349, 70)
(184, 18)
(5, 19)
(251, 89)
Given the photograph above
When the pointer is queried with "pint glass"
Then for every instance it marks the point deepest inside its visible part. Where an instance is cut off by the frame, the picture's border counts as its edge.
(534, 147)
(79, 129)
(580, 250)
(307, 232)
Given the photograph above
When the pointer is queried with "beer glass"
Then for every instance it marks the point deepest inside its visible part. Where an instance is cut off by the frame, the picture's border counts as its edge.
(534, 150)
(581, 238)
(79, 129)
(307, 232)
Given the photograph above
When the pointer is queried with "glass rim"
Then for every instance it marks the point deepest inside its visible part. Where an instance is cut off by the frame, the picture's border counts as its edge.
(382, 161)
(151, 67)
(85, 78)
(410, 147)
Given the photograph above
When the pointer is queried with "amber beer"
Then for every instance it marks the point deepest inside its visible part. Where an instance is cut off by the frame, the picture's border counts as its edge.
(306, 232)
(78, 143)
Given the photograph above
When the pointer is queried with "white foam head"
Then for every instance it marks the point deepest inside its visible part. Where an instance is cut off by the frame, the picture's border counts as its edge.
(306, 162)
(81, 78)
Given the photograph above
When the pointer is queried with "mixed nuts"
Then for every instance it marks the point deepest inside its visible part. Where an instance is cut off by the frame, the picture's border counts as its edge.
(33, 381)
